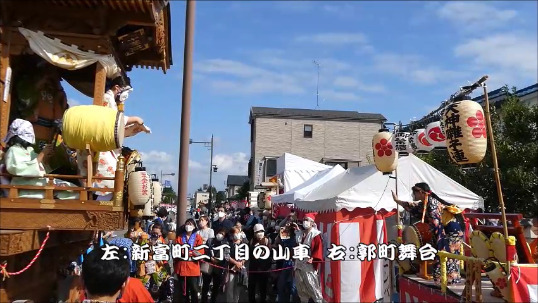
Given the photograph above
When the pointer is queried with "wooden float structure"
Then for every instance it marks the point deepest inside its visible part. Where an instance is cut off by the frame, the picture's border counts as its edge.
(137, 34)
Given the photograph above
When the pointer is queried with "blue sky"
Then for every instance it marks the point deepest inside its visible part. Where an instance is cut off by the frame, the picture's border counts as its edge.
(400, 59)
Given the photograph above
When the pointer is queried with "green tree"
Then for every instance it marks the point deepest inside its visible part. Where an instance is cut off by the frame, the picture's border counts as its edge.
(242, 192)
(221, 197)
(169, 195)
(516, 134)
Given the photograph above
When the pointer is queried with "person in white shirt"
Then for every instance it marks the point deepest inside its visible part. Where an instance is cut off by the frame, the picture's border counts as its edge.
(106, 164)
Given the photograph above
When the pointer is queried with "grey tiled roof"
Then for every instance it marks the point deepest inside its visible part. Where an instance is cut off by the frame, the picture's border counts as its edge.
(313, 114)
(234, 180)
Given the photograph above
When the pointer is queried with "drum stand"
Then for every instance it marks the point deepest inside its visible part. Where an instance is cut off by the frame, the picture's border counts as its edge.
(423, 273)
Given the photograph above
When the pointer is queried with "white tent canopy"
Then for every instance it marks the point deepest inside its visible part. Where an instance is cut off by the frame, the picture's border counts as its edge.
(367, 187)
(296, 170)
(302, 190)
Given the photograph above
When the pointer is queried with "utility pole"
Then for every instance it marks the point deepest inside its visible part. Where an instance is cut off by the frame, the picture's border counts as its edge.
(210, 182)
(181, 215)
(317, 85)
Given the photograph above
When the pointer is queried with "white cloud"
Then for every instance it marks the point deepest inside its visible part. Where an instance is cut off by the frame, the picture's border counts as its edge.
(271, 72)
(341, 9)
(335, 95)
(345, 82)
(232, 164)
(350, 82)
(73, 102)
(412, 67)
(509, 52)
(334, 38)
(474, 15)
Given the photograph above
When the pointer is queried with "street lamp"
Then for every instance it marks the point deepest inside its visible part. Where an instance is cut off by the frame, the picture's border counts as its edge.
(212, 168)
(170, 174)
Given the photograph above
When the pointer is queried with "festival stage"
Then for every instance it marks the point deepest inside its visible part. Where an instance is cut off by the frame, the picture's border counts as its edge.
(415, 289)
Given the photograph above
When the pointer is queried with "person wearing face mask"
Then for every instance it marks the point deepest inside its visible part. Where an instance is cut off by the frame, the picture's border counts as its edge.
(216, 273)
(107, 161)
(258, 276)
(306, 270)
(232, 279)
(240, 228)
(189, 271)
(285, 284)
(222, 222)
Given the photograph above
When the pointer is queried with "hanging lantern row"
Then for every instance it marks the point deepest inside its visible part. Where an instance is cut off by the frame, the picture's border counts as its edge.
(435, 136)
(461, 131)
(385, 154)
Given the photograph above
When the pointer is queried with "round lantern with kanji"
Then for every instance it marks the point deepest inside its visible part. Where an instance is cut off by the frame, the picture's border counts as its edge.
(157, 192)
(400, 141)
(422, 142)
(385, 155)
(435, 135)
(465, 129)
(140, 187)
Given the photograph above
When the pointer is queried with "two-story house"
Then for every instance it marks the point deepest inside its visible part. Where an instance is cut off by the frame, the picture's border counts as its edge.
(327, 136)
(234, 183)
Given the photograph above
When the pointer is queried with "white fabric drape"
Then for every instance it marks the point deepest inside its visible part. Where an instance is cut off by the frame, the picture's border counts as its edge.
(65, 56)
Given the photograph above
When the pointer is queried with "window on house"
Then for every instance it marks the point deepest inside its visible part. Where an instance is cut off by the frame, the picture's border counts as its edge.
(270, 168)
(343, 164)
(308, 131)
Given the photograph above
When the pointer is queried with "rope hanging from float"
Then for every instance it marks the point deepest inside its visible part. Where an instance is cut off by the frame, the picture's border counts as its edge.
(3, 266)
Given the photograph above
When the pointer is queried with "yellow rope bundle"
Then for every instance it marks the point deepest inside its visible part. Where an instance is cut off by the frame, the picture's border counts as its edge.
(101, 127)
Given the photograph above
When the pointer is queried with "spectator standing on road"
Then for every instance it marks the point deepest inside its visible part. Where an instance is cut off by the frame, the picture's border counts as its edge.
(232, 280)
(189, 271)
(216, 263)
(222, 222)
(258, 278)
(285, 284)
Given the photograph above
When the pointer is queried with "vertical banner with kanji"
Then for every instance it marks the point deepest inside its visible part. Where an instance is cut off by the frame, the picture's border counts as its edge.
(524, 282)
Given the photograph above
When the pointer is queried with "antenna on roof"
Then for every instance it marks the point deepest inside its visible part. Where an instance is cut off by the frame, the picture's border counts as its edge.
(317, 84)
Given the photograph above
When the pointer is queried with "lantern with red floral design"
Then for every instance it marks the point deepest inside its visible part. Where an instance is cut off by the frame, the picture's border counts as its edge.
(385, 155)
(422, 142)
(435, 135)
(465, 130)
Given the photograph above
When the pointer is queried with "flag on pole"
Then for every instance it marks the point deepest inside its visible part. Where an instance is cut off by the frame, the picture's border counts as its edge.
(525, 282)
(167, 184)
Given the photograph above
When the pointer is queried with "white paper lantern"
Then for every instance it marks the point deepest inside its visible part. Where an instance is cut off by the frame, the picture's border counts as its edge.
(421, 140)
(148, 209)
(385, 155)
(400, 141)
(435, 136)
(157, 193)
(139, 187)
(413, 141)
(465, 130)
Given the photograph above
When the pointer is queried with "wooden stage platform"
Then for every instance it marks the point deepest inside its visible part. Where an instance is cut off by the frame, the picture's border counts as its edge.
(456, 290)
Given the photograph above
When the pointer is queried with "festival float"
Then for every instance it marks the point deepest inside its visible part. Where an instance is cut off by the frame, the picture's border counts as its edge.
(496, 261)
(84, 43)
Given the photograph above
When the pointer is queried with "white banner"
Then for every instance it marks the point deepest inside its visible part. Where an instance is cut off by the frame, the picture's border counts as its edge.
(67, 56)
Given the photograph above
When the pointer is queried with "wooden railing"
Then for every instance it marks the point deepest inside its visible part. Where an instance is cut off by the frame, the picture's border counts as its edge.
(85, 192)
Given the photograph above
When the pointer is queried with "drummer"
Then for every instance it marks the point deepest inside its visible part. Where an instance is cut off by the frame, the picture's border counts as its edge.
(106, 165)
(433, 210)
